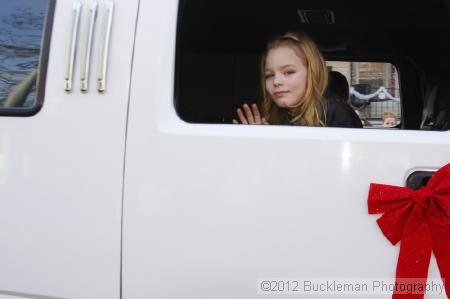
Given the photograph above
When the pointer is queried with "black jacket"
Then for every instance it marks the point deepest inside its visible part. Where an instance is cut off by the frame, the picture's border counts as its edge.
(341, 114)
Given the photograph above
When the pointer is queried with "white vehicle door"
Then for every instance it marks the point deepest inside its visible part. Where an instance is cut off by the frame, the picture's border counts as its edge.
(213, 210)
(61, 166)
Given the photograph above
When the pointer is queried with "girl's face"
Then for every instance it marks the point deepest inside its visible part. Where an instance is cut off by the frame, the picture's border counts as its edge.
(285, 77)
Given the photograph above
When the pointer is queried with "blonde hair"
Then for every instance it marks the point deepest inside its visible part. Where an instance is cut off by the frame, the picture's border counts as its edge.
(388, 114)
(311, 109)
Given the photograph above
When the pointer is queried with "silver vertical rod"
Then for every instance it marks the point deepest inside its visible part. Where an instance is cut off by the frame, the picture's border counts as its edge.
(71, 50)
(104, 51)
(88, 46)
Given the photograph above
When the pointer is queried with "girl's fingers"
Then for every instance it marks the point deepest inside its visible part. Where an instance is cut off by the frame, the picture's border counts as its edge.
(249, 114)
(242, 117)
(256, 114)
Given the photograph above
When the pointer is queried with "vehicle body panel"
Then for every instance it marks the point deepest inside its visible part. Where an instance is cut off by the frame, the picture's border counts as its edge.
(211, 209)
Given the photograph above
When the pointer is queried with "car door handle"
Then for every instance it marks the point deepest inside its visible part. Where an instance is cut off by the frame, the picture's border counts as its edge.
(419, 178)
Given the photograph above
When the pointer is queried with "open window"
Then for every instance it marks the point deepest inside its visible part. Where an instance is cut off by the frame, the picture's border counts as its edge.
(400, 45)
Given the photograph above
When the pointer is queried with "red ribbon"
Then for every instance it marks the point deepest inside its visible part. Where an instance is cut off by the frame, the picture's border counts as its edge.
(420, 219)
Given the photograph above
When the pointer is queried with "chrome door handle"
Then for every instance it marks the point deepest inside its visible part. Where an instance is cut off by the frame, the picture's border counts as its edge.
(104, 50)
(84, 80)
(71, 50)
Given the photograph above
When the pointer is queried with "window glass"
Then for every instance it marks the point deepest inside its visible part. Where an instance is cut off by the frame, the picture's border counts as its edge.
(374, 90)
(22, 25)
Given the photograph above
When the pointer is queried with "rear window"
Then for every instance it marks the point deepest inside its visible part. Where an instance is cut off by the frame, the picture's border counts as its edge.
(374, 90)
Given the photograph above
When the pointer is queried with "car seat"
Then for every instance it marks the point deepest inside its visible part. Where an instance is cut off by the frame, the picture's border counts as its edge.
(436, 115)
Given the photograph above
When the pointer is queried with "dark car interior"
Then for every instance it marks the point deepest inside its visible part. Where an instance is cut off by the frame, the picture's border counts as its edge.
(219, 45)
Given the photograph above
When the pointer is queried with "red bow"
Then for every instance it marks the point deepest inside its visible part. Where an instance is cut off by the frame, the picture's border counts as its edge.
(420, 219)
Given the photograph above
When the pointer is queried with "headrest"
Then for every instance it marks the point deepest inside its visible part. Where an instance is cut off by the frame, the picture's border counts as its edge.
(338, 86)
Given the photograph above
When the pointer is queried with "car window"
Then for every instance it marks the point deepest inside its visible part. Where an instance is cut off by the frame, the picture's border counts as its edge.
(23, 54)
(393, 79)
(374, 90)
